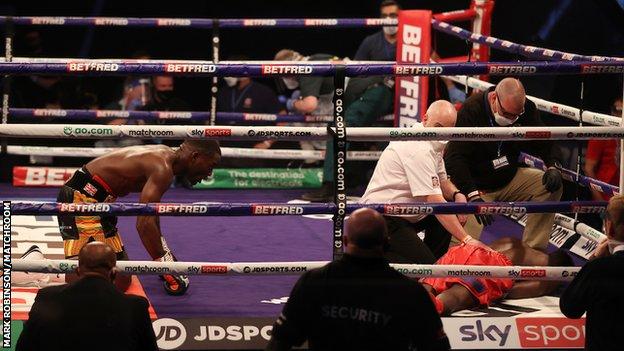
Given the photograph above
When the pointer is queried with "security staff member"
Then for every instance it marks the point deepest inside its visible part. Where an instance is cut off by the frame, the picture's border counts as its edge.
(359, 302)
(490, 171)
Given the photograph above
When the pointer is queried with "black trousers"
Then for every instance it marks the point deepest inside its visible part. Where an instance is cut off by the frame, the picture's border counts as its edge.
(405, 246)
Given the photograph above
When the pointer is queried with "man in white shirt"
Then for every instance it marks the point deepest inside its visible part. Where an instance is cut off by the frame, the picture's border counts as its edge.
(413, 171)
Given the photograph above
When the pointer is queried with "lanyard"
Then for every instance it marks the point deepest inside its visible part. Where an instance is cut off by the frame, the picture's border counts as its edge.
(234, 102)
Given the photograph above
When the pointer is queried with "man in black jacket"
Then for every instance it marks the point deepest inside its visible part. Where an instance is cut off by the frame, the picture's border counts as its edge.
(90, 313)
(597, 288)
(359, 302)
(490, 171)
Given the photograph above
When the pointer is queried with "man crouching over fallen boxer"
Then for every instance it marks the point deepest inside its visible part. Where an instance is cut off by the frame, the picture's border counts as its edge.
(452, 294)
(148, 169)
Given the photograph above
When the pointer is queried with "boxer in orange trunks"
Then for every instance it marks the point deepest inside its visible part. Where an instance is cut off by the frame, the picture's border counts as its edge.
(453, 294)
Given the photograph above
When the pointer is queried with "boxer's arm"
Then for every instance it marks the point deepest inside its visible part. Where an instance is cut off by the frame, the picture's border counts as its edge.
(148, 227)
(449, 221)
(452, 194)
(535, 288)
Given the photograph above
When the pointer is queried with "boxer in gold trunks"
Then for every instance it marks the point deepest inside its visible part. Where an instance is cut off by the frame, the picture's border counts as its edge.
(149, 170)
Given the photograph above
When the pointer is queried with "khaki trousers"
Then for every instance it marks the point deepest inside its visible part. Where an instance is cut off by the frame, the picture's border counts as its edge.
(526, 185)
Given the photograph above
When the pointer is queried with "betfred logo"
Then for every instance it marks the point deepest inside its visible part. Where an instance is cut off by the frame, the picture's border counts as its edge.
(533, 273)
(41, 176)
(587, 209)
(286, 69)
(214, 269)
(501, 210)
(551, 332)
(276, 210)
(407, 210)
(189, 68)
(508, 69)
(321, 22)
(259, 22)
(112, 113)
(174, 115)
(601, 69)
(537, 135)
(259, 117)
(111, 21)
(92, 67)
(173, 22)
(49, 113)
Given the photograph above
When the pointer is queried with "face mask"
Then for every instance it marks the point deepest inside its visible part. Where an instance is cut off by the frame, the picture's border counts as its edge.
(230, 81)
(390, 30)
(164, 95)
(613, 244)
(291, 83)
(504, 122)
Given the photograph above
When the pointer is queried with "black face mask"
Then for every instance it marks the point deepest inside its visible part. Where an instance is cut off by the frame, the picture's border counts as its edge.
(164, 95)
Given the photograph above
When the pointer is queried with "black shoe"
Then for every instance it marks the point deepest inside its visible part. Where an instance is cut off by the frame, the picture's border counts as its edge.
(32, 249)
(324, 194)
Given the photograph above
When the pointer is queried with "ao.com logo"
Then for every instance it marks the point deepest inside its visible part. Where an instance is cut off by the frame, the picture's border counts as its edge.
(170, 334)
(87, 131)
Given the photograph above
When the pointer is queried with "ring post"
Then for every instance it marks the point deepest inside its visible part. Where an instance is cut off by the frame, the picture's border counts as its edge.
(340, 156)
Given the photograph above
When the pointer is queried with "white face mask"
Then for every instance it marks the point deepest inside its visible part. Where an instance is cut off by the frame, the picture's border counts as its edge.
(291, 83)
(230, 81)
(504, 122)
(390, 30)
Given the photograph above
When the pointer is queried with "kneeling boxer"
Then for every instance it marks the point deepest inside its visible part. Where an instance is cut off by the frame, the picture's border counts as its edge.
(148, 169)
(453, 294)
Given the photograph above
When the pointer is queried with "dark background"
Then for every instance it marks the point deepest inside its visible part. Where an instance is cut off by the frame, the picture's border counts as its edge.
(585, 27)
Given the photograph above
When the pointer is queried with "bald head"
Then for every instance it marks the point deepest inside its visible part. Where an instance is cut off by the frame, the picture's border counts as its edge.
(441, 113)
(96, 258)
(615, 218)
(288, 55)
(511, 94)
(366, 230)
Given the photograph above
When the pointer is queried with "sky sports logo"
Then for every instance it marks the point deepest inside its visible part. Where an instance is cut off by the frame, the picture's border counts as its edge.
(544, 333)
(211, 132)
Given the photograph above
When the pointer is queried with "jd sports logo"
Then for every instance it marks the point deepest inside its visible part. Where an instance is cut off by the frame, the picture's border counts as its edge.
(170, 334)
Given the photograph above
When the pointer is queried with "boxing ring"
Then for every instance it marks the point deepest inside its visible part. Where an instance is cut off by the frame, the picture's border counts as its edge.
(262, 240)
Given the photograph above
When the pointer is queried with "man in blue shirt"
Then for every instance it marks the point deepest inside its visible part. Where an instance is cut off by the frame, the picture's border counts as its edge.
(381, 46)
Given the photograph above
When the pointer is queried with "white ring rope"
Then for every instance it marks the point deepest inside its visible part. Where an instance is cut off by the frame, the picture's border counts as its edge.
(547, 106)
(281, 154)
(296, 268)
(89, 131)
